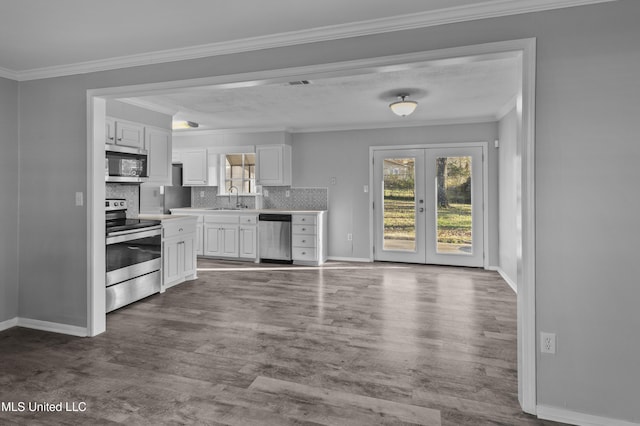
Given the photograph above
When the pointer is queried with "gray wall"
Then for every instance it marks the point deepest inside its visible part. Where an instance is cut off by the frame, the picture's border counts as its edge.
(9, 186)
(507, 177)
(125, 111)
(317, 157)
(586, 184)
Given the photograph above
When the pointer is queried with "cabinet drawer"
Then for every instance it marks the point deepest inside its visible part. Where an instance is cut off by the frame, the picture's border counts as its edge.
(249, 219)
(172, 229)
(304, 229)
(298, 240)
(222, 218)
(303, 253)
(303, 219)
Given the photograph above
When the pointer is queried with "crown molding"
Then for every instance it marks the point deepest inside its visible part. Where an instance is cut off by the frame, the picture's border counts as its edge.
(488, 9)
(9, 74)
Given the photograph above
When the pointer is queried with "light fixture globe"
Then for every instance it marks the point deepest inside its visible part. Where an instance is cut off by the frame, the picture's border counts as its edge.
(403, 107)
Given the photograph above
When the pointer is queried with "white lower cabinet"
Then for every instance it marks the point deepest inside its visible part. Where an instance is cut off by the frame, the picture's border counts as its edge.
(248, 241)
(221, 235)
(200, 237)
(308, 238)
(231, 235)
(179, 251)
(221, 240)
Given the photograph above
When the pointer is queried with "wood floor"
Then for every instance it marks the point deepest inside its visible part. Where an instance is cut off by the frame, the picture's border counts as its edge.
(245, 344)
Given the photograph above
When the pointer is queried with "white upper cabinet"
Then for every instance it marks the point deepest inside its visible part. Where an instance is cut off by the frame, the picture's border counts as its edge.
(158, 143)
(110, 130)
(129, 134)
(194, 167)
(273, 165)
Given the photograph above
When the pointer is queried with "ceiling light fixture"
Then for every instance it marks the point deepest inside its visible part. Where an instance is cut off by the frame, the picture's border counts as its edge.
(176, 125)
(403, 107)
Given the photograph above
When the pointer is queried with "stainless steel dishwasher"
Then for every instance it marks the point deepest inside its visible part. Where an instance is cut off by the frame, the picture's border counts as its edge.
(275, 237)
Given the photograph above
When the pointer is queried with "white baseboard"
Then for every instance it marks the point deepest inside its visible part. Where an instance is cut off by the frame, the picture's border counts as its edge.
(349, 259)
(53, 327)
(5, 325)
(574, 418)
(504, 276)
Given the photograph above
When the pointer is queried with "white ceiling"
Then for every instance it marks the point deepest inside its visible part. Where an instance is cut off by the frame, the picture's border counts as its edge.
(461, 90)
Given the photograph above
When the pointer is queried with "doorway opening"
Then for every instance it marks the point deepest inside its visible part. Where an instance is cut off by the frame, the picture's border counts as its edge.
(525, 213)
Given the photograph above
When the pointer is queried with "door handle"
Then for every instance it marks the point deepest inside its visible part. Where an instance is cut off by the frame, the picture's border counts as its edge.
(421, 209)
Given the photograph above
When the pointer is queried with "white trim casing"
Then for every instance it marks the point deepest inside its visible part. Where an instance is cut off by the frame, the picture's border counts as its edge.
(504, 276)
(526, 106)
(571, 417)
(53, 327)
(526, 279)
(482, 10)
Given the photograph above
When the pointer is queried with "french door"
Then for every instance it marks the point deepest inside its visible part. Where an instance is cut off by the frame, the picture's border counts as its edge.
(428, 206)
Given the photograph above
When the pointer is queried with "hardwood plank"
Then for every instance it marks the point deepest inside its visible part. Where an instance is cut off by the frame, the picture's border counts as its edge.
(343, 344)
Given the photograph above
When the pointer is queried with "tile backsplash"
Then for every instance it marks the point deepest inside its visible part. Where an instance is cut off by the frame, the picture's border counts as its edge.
(131, 193)
(298, 199)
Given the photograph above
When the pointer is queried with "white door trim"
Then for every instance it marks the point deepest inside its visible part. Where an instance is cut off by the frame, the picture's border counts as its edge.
(526, 110)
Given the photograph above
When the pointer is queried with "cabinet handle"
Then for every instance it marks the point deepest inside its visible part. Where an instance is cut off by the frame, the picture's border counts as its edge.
(304, 241)
(180, 230)
(303, 219)
(304, 252)
(304, 229)
(111, 138)
(119, 139)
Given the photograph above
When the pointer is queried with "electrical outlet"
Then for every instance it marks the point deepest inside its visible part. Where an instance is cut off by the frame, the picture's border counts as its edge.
(287, 193)
(201, 194)
(79, 199)
(333, 180)
(349, 237)
(265, 192)
(547, 343)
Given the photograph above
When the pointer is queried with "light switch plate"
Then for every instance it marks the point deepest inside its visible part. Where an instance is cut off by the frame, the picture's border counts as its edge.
(79, 199)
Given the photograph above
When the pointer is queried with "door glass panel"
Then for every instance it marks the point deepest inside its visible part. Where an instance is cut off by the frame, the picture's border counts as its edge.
(453, 198)
(399, 209)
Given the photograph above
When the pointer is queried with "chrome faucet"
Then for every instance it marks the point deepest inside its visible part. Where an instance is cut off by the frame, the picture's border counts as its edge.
(237, 203)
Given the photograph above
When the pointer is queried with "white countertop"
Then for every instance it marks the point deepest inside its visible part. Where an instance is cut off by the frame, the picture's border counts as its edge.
(163, 217)
(204, 210)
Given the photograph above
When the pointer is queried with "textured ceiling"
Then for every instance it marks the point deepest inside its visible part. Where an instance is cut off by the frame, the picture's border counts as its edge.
(466, 90)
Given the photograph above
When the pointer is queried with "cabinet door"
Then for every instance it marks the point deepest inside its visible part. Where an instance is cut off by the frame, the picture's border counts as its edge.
(188, 249)
(172, 263)
(129, 134)
(273, 165)
(158, 143)
(248, 242)
(212, 240)
(199, 239)
(194, 167)
(110, 130)
(221, 240)
(230, 241)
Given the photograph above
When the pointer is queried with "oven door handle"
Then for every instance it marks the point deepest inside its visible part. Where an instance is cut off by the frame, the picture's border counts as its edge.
(133, 234)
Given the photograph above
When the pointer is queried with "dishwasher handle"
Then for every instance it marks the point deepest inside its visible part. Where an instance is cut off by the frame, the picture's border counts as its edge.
(273, 217)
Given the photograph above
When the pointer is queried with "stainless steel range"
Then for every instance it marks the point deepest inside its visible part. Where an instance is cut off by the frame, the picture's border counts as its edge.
(134, 256)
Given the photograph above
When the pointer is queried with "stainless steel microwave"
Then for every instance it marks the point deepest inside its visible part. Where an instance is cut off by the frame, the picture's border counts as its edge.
(125, 164)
